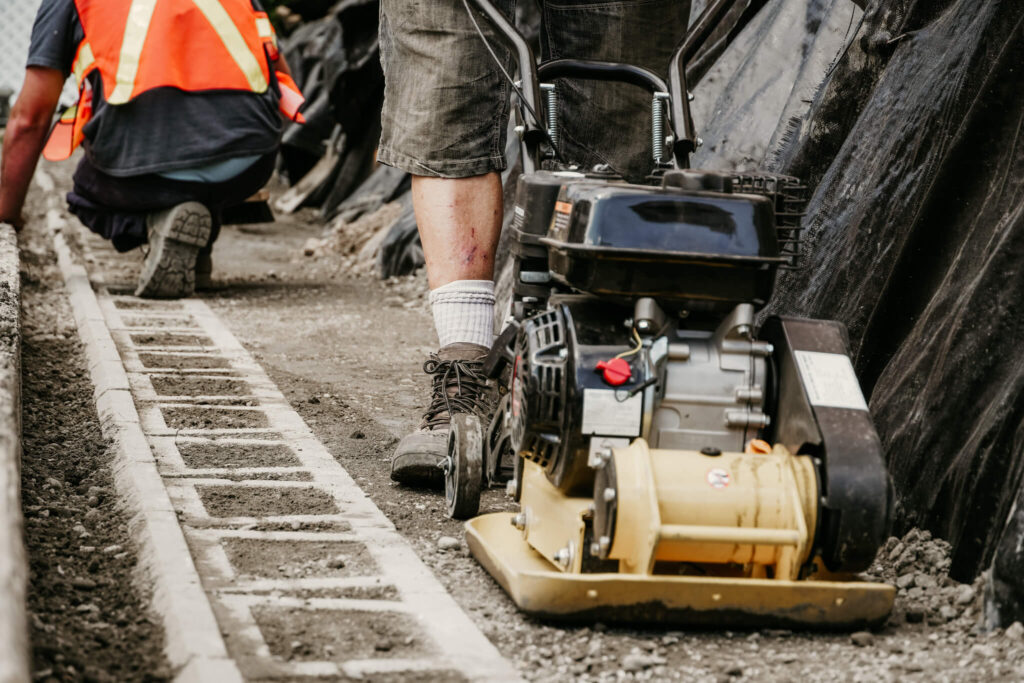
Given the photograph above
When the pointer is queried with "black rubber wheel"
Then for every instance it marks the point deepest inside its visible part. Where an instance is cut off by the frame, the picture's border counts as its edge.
(463, 477)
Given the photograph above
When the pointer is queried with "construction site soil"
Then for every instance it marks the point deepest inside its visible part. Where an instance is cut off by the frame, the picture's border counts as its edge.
(346, 351)
(89, 620)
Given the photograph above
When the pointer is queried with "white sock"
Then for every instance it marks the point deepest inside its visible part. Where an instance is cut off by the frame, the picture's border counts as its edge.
(464, 312)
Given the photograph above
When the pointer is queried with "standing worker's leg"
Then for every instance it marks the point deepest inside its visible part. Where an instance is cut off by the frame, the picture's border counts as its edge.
(445, 111)
(459, 222)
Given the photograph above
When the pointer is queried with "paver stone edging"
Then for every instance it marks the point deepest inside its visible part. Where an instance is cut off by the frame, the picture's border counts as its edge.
(194, 645)
(14, 646)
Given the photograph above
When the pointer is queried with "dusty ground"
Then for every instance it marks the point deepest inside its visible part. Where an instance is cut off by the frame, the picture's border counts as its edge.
(346, 351)
(88, 620)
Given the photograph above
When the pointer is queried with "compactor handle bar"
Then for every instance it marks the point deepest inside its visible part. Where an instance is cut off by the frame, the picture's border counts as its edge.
(530, 74)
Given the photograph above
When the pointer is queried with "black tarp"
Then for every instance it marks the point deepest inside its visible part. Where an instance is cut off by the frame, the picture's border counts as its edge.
(916, 235)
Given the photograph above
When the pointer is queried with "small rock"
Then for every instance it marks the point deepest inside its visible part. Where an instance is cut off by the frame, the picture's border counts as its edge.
(925, 581)
(776, 633)
(91, 515)
(112, 549)
(948, 613)
(905, 581)
(448, 543)
(55, 483)
(638, 662)
(862, 639)
(735, 671)
(81, 531)
(964, 595)
(594, 647)
(83, 583)
(92, 501)
(383, 645)
(933, 557)
(88, 607)
(1015, 631)
(984, 651)
(336, 562)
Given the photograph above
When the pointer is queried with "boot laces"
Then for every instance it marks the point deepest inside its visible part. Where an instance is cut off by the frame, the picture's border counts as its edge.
(457, 386)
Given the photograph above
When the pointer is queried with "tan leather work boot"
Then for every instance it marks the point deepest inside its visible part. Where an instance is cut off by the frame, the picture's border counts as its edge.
(457, 386)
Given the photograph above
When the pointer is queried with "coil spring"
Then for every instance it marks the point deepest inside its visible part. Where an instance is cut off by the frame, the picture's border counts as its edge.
(551, 97)
(658, 127)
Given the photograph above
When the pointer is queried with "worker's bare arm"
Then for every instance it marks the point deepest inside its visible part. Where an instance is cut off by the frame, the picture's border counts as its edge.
(27, 129)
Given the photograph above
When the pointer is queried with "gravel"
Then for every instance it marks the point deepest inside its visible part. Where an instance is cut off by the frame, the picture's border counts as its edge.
(89, 621)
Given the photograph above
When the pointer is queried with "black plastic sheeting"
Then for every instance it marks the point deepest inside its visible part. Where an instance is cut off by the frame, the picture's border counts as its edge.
(916, 236)
(336, 63)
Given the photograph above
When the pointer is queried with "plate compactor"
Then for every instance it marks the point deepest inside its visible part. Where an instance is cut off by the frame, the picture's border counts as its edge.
(672, 460)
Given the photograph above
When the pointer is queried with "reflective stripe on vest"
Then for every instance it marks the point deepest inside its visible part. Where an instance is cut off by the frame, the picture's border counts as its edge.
(192, 45)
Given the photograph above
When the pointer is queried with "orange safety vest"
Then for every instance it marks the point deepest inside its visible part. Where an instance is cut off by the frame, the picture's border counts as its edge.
(193, 45)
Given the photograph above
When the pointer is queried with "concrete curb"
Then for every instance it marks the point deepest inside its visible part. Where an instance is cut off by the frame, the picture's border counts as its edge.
(14, 648)
(194, 645)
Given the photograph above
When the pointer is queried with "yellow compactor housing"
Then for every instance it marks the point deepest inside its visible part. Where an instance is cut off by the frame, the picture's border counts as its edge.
(686, 509)
(679, 537)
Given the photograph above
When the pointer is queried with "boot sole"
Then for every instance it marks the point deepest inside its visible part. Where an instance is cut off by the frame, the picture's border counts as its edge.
(169, 271)
(421, 474)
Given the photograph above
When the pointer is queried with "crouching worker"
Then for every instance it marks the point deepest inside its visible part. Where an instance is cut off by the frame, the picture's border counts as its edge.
(179, 113)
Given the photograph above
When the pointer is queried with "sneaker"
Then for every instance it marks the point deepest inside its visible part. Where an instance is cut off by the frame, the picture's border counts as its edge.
(458, 386)
(175, 237)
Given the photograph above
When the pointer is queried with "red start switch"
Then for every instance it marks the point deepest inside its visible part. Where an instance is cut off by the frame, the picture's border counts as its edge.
(616, 371)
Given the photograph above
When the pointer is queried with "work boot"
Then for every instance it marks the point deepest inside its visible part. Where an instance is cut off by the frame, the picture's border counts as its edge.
(457, 386)
(204, 269)
(175, 237)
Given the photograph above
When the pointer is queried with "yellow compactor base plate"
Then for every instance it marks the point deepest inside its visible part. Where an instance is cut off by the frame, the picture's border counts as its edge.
(538, 589)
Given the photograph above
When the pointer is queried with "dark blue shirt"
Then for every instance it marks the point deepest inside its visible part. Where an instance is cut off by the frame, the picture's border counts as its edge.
(160, 130)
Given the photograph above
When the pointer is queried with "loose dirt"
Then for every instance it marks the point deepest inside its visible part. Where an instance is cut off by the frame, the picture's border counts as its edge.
(213, 418)
(293, 560)
(213, 455)
(228, 501)
(89, 622)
